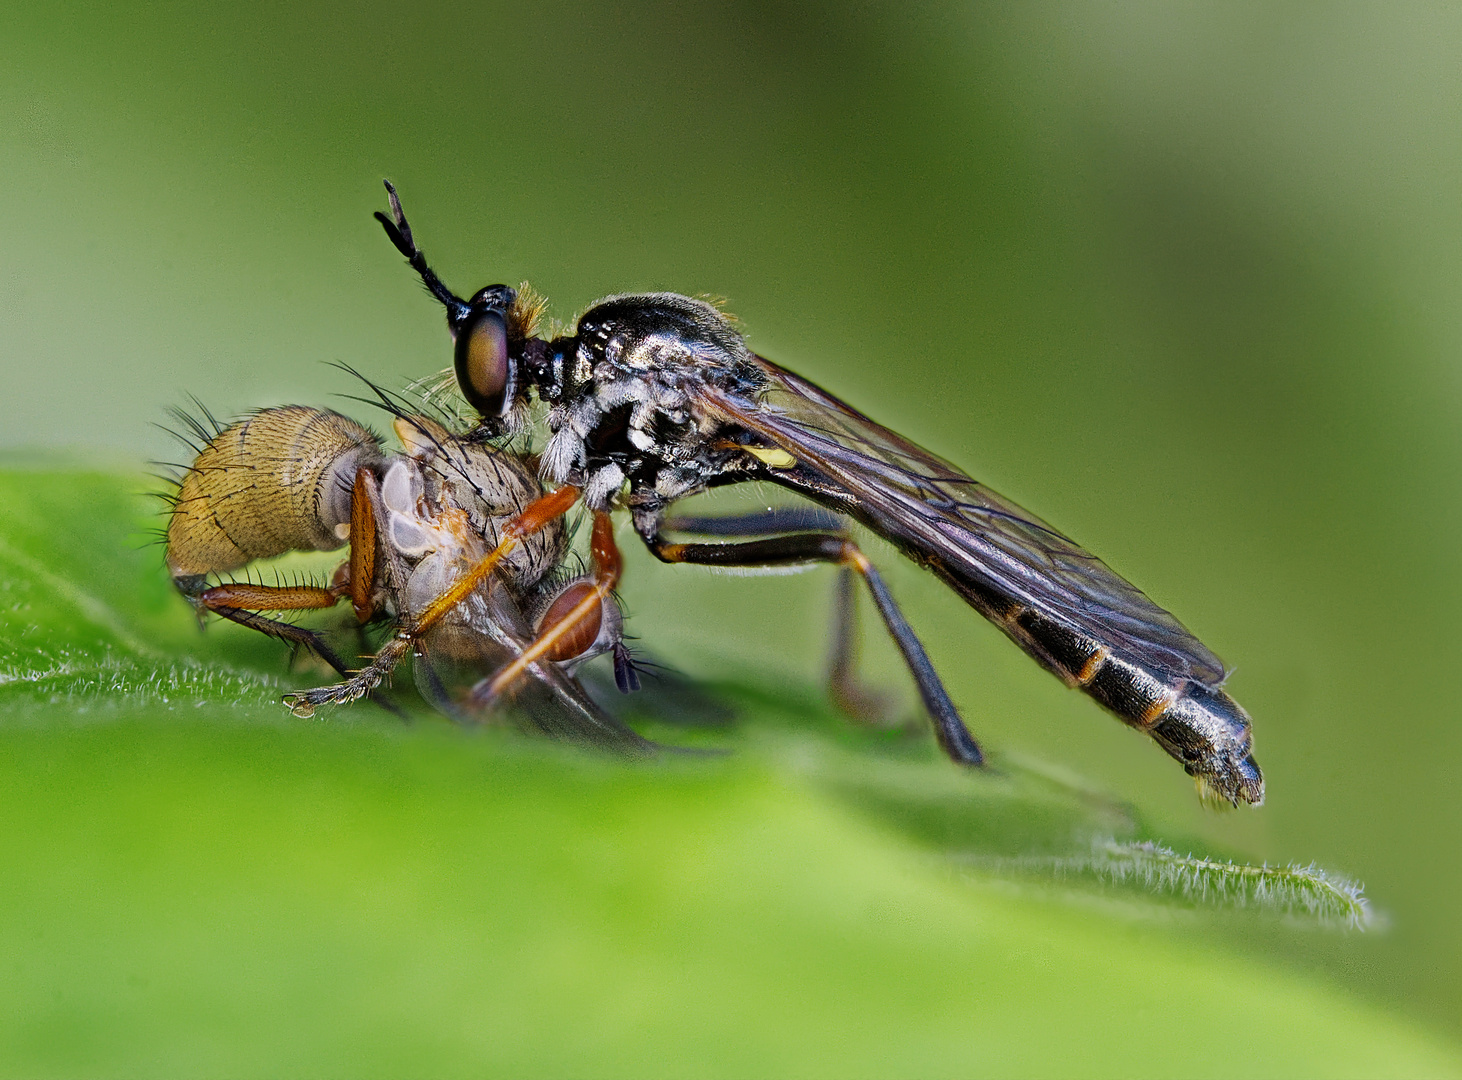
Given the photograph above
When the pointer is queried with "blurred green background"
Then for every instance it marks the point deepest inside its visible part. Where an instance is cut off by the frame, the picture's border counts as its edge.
(1181, 279)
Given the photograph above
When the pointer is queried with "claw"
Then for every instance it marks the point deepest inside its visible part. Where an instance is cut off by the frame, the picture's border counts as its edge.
(300, 705)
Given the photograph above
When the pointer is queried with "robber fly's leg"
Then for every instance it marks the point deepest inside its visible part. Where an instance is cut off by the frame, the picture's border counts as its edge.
(847, 693)
(356, 686)
(769, 522)
(795, 549)
(534, 517)
(608, 564)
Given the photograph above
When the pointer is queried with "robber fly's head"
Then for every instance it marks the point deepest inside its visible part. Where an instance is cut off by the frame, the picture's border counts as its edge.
(492, 332)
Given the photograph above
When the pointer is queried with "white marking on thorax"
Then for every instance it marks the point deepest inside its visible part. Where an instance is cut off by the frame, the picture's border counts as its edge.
(603, 484)
(563, 452)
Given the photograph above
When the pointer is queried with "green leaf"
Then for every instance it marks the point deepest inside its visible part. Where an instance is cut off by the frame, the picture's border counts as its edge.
(198, 883)
(1289, 890)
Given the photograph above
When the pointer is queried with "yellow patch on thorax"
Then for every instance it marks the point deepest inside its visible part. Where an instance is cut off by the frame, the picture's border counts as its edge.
(773, 457)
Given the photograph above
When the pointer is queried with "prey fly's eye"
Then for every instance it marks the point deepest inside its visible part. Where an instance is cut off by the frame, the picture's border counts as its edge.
(484, 371)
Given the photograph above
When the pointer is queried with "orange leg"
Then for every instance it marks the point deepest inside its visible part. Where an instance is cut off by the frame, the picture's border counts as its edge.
(363, 546)
(608, 564)
(242, 594)
(534, 517)
(241, 601)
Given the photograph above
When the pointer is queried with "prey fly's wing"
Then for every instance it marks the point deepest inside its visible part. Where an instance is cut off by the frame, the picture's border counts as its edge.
(961, 527)
(484, 633)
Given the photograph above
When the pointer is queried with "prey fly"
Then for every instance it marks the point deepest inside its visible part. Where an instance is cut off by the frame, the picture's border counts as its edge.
(304, 479)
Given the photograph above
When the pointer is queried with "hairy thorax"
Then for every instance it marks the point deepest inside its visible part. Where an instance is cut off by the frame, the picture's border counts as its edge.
(627, 407)
(447, 502)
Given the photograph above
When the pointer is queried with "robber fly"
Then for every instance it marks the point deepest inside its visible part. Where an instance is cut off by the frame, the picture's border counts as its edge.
(653, 397)
(304, 479)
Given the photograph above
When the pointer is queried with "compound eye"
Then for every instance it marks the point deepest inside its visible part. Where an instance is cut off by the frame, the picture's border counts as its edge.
(484, 372)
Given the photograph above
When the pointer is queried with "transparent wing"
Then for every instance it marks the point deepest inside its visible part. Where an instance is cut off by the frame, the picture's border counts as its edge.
(486, 632)
(925, 504)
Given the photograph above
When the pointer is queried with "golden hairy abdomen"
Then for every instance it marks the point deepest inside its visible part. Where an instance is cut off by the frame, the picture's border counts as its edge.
(277, 481)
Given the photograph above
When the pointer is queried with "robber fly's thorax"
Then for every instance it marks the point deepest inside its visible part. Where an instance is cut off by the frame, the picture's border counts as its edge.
(627, 400)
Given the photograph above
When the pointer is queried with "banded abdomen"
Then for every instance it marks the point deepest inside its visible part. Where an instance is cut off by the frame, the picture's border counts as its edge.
(1199, 725)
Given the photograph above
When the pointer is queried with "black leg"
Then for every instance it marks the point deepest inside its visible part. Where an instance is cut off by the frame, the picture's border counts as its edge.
(299, 637)
(295, 635)
(795, 549)
(776, 520)
(850, 696)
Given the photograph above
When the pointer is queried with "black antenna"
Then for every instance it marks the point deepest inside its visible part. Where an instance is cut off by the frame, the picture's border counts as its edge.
(400, 233)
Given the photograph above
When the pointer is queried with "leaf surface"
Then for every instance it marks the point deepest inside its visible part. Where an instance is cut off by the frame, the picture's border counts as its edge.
(198, 883)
